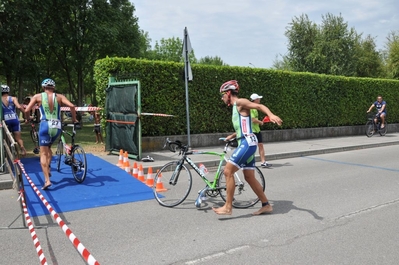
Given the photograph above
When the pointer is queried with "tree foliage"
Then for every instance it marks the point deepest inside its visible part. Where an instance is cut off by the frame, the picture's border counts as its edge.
(64, 41)
(393, 55)
(170, 49)
(209, 60)
(330, 48)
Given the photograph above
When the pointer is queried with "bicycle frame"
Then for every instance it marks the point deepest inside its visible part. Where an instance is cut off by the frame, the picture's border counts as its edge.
(177, 189)
(187, 159)
(374, 125)
(74, 154)
(66, 147)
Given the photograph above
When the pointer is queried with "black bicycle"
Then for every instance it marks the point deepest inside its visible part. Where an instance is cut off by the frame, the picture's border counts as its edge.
(74, 154)
(34, 135)
(372, 126)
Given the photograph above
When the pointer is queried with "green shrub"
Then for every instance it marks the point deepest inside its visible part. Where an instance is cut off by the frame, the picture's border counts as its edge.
(302, 100)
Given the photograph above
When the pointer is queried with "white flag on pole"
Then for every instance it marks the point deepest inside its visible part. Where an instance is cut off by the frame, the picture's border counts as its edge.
(186, 52)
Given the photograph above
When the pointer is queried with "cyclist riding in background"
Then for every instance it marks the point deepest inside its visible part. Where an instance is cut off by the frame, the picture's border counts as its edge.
(50, 122)
(381, 107)
(10, 105)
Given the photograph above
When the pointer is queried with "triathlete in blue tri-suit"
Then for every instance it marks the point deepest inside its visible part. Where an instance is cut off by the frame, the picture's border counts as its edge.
(244, 156)
(50, 122)
(10, 105)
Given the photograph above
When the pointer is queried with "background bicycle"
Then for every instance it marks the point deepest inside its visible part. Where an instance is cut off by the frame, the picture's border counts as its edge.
(373, 127)
(72, 155)
(173, 182)
(34, 135)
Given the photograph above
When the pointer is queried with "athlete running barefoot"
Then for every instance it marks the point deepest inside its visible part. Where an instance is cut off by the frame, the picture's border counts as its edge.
(244, 156)
(50, 104)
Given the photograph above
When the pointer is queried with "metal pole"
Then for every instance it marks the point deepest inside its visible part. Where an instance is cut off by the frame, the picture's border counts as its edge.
(186, 83)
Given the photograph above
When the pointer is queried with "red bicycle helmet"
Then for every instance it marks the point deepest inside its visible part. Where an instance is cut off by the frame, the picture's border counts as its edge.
(231, 85)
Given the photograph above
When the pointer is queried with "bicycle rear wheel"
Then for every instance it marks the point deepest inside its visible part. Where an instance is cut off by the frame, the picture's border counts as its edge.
(244, 196)
(58, 154)
(79, 163)
(369, 128)
(167, 194)
(35, 138)
(383, 131)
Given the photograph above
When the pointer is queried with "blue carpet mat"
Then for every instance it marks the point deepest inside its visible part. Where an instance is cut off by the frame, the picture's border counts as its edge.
(105, 184)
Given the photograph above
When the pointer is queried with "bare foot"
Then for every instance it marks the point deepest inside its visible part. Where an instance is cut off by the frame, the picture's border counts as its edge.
(45, 187)
(222, 211)
(265, 209)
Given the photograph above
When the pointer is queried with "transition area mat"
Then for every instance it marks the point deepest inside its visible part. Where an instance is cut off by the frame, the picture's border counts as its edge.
(105, 184)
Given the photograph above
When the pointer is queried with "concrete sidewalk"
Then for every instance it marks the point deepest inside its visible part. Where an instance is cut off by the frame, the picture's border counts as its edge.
(273, 150)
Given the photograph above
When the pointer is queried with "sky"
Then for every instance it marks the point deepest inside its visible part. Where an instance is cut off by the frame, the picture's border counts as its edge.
(250, 33)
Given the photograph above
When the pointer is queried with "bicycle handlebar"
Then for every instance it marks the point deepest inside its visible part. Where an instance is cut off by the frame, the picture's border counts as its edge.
(174, 145)
(76, 126)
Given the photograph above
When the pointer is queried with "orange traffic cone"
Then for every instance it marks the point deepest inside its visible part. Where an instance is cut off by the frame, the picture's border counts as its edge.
(159, 186)
(141, 174)
(120, 161)
(125, 159)
(135, 170)
(150, 180)
(127, 167)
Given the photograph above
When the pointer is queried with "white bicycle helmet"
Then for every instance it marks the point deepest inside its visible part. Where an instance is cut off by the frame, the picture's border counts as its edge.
(231, 85)
(48, 83)
(5, 89)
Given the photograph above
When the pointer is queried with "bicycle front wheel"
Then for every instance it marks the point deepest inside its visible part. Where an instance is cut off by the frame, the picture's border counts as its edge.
(79, 163)
(172, 186)
(244, 196)
(58, 154)
(369, 128)
(383, 131)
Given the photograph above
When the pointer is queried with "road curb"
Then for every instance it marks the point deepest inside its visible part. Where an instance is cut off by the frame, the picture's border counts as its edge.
(5, 184)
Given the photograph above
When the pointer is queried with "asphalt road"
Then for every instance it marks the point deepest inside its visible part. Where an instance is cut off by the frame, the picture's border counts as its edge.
(338, 208)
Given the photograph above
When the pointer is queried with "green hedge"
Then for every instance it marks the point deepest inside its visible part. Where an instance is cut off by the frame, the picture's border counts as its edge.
(302, 100)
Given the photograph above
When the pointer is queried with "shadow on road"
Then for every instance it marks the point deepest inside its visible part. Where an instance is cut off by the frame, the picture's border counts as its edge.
(283, 207)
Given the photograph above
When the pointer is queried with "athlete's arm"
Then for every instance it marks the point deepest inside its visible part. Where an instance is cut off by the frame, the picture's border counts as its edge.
(66, 102)
(231, 136)
(21, 108)
(382, 108)
(244, 103)
(371, 107)
(32, 102)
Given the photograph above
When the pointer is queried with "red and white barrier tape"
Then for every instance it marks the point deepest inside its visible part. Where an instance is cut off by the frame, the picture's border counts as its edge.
(75, 241)
(35, 239)
(81, 108)
(156, 114)
(76, 108)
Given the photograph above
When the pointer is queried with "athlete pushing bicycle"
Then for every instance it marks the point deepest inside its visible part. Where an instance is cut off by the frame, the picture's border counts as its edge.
(50, 122)
(244, 156)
